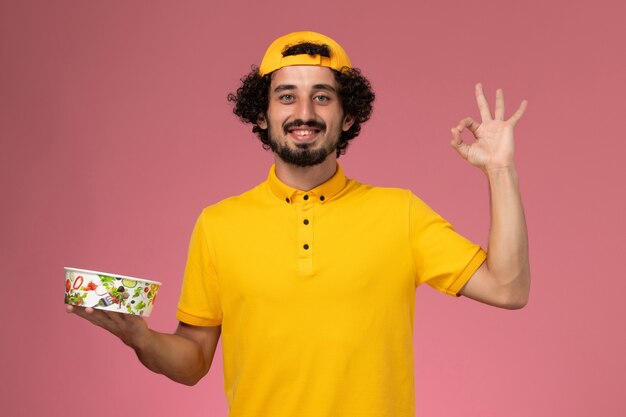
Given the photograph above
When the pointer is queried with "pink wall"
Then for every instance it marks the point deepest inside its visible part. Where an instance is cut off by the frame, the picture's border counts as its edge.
(115, 132)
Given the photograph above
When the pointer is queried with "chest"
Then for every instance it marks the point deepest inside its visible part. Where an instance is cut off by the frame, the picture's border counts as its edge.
(314, 254)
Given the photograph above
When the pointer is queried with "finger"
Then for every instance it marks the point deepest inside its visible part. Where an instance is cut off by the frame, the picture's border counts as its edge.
(483, 106)
(78, 310)
(518, 114)
(469, 123)
(69, 308)
(458, 144)
(499, 114)
(97, 317)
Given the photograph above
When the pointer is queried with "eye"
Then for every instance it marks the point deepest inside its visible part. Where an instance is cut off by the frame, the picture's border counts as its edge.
(321, 99)
(286, 98)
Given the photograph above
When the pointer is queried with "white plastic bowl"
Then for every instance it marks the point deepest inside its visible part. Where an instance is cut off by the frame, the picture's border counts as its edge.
(110, 292)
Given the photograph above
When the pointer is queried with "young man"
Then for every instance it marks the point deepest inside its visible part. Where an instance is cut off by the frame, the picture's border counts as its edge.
(310, 277)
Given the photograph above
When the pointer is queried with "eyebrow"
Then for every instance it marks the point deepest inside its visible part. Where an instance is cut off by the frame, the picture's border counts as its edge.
(289, 87)
(284, 87)
(326, 87)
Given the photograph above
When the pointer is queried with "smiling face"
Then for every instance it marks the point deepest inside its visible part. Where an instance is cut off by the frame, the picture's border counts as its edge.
(304, 116)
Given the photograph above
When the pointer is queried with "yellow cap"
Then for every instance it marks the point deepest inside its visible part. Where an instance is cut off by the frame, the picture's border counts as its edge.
(274, 58)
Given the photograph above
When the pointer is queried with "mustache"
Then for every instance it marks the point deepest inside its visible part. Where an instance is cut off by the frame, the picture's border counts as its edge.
(300, 122)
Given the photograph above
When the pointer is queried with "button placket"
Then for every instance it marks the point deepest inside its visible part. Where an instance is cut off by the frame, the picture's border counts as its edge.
(305, 235)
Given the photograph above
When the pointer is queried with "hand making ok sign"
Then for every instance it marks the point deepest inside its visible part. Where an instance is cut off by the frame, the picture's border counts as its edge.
(494, 144)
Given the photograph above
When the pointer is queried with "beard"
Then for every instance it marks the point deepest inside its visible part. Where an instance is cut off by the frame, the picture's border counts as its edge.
(303, 155)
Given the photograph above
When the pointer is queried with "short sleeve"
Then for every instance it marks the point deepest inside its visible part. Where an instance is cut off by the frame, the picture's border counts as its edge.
(444, 259)
(199, 302)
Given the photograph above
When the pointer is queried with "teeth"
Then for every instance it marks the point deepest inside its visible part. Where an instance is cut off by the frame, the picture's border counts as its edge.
(303, 132)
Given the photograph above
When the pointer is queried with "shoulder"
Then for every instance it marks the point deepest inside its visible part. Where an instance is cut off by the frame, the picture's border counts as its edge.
(373, 201)
(390, 196)
(233, 206)
(397, 201)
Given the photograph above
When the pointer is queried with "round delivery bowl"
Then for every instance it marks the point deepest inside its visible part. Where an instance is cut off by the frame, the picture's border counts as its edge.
(110, 292)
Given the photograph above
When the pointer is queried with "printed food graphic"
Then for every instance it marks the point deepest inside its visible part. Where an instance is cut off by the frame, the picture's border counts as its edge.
(109, 292)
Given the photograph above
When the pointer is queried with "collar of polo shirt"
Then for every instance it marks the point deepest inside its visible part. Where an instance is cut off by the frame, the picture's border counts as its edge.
(322, 193)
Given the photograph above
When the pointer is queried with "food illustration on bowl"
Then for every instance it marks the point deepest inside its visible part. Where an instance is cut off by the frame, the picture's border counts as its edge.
(111, 292)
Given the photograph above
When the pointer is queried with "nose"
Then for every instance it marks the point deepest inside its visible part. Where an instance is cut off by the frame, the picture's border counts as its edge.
(305, 110)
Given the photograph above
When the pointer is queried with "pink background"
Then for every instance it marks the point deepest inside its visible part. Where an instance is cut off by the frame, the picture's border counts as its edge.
(115, 132)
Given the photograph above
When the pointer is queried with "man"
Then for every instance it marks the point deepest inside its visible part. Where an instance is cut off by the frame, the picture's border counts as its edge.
(310, 277)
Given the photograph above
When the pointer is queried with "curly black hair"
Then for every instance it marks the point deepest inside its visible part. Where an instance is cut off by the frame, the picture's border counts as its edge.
(251, 99)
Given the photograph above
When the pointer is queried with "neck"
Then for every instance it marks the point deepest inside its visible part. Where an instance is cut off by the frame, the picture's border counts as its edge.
(305, 178)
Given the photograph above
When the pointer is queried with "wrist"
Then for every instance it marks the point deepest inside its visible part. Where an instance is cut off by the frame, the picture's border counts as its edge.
(502, 179)
(500, 171)
(140, 339)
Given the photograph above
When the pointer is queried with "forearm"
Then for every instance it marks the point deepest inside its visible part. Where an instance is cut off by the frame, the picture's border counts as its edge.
(507, 257)
(175, 356)
(184, 356)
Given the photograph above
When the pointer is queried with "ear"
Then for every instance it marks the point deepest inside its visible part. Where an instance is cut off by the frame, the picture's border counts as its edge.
(348, 121)
(262, 122)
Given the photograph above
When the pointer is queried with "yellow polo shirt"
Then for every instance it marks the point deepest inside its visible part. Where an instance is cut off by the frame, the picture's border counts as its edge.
(315, 292)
